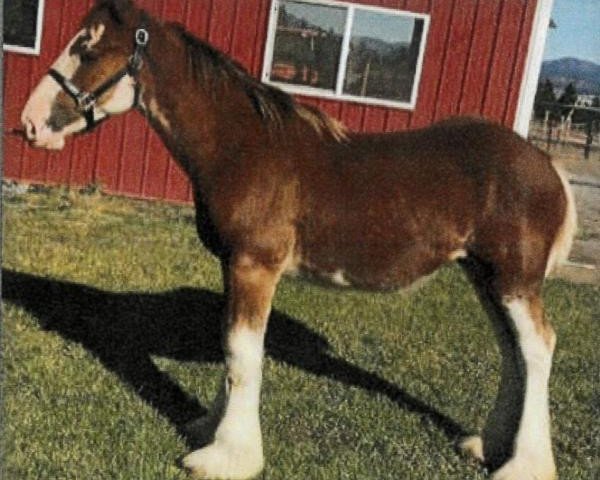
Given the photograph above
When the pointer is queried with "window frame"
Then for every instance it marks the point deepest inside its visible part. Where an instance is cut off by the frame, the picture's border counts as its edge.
(343, 59)
(36, 49)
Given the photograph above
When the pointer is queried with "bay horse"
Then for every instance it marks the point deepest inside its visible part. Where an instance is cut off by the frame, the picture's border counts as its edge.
(281, 188)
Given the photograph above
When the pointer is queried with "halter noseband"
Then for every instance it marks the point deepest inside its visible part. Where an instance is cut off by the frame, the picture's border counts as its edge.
(86, 101)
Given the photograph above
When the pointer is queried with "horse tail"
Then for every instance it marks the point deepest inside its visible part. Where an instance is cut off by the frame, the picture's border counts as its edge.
(564, 238)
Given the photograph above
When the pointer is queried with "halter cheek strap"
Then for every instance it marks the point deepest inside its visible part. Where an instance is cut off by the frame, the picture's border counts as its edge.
(86, 101)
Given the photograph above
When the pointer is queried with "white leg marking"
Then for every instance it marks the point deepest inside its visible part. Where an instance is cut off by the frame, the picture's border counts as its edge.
(532, 458)
(473, 446)
(236, 452)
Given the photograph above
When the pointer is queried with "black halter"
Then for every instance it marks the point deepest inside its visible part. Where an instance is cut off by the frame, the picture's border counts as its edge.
(87, 100)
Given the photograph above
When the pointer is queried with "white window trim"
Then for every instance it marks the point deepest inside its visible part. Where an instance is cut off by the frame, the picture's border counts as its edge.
(338, 95)
(38, 35)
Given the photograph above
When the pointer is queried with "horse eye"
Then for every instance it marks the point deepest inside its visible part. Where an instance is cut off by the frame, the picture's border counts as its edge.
(88, 57)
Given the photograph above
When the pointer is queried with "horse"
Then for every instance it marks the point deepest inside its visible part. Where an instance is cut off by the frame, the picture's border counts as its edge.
(281, 188)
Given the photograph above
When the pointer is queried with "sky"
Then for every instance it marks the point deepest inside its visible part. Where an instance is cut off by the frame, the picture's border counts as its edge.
(390, 28)
(578, 30)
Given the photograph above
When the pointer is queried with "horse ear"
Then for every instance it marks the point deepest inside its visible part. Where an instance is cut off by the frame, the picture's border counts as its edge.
(120, 10)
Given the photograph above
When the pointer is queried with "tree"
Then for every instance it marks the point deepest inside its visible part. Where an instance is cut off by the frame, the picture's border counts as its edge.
(569, 95)
(543, 98)
(284, 18)
(593, 116)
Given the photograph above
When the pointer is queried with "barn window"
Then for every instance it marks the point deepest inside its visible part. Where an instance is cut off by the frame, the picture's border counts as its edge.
(23, 25)
(345, 51)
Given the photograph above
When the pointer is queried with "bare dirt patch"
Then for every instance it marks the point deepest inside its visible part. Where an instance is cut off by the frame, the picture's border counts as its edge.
(585, 180)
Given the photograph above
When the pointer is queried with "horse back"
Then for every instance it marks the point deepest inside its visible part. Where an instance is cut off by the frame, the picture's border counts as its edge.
(380, 211)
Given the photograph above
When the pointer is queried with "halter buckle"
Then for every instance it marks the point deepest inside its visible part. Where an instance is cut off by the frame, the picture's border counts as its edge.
(135, 61)
(86, 101)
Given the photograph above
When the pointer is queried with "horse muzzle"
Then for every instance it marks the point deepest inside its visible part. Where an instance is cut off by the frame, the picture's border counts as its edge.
(39, 134)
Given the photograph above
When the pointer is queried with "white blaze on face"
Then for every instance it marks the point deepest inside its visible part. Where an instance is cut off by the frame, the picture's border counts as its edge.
(38, 109)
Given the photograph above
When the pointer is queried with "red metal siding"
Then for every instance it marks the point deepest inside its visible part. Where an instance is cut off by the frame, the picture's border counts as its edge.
(474, 62)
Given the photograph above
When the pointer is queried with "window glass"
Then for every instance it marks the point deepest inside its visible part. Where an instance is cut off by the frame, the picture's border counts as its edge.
(20, 23)
(383, 56)
(346, 51)
(308, 44)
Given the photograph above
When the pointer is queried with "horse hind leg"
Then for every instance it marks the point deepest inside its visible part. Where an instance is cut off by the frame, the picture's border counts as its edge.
(516, 437)
(532, 456)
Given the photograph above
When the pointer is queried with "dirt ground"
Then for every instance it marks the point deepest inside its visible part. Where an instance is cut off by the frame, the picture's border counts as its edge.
(585, 181)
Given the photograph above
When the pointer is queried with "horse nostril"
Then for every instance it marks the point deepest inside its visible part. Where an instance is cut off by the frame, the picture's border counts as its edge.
(30, 129)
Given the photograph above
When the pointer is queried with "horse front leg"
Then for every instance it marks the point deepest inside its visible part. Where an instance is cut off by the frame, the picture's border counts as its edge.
(236, 448)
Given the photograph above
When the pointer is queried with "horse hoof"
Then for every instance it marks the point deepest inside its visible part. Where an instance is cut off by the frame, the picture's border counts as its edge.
(473, 447)
(224, 462)
(526, 469)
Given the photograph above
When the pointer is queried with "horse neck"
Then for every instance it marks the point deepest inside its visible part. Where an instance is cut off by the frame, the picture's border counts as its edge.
(194, 122)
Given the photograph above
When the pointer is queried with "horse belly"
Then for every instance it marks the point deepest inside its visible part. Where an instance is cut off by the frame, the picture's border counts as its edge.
(373, 267)
(383, 228)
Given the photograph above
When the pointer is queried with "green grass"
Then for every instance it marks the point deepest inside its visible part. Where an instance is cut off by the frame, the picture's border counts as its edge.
(110, 340)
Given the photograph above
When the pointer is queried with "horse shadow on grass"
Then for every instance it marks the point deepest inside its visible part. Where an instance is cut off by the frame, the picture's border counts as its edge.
(124, 330)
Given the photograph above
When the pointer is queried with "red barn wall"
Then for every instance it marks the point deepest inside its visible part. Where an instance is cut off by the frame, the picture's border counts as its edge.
(474, 63)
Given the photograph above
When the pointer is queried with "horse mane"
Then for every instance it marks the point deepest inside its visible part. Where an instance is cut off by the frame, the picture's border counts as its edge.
(208, 65)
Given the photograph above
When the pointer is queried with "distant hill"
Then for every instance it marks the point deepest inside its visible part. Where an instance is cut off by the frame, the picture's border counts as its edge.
(585, 75)
(381, 47)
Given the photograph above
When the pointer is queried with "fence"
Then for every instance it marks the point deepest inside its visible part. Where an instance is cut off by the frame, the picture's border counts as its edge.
(558, 130)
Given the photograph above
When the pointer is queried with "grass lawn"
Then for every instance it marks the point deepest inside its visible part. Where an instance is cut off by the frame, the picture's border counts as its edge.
(111, 343)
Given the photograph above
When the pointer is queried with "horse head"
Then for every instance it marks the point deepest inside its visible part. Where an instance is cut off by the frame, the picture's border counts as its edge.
(94, 77)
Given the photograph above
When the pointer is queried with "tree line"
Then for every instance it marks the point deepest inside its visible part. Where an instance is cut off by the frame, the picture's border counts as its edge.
(547, 102)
